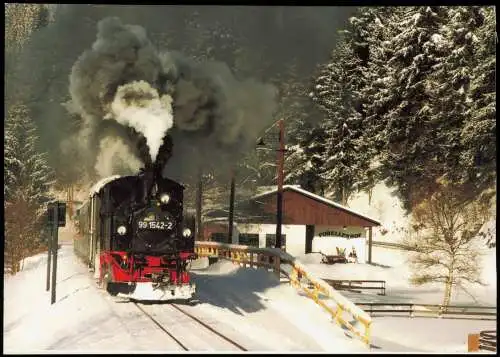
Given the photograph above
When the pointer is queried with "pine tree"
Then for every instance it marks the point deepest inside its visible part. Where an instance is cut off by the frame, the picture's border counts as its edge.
(337, 93)
(478, 135)
(413, 161)
(304, 157)
(26, 169)
(28, 179)
(424, 63)
(303, 138)
(21, 20)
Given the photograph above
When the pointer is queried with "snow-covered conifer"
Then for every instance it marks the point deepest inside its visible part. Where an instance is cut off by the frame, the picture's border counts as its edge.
(28, 179)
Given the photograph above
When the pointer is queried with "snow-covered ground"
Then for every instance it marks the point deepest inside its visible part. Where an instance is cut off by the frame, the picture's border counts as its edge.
(404, 334)
(391, 265)
(250, 306)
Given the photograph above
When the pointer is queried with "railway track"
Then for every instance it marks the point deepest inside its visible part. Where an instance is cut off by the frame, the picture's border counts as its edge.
(188, 340)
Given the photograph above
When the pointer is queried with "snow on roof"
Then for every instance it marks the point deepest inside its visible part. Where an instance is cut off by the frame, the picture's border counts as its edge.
(100, 184)
(300, 190)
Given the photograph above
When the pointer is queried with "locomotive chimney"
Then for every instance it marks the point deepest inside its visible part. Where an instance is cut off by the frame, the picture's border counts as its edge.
(152, 171)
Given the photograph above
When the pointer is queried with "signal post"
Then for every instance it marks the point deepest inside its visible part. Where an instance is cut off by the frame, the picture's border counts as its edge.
(56, 212)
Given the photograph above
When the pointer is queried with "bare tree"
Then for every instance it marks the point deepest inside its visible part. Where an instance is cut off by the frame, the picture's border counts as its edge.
(446, 228)
(22, 228)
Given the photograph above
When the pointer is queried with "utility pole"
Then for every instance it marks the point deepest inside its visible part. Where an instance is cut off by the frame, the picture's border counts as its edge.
(231, 208)
(198, 204)
(279, 196)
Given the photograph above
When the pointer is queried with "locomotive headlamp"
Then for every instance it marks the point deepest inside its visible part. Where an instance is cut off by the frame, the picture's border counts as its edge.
(165, 198)
(186, 232)
(121, 230)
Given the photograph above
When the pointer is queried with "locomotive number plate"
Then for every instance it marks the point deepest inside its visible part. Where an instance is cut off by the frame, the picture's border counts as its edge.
(163, 226)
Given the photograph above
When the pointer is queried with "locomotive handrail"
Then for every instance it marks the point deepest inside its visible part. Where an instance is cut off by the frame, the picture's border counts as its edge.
(300, 278)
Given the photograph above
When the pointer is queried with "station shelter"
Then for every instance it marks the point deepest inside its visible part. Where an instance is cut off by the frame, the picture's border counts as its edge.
(310, 223)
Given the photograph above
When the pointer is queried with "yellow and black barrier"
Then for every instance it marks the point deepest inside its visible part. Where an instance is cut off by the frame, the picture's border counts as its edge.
(272, 258)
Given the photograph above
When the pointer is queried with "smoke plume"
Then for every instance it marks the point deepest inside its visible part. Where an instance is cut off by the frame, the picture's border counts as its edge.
(115, 158)
(295, 37)
(139, 106)
(124, 89)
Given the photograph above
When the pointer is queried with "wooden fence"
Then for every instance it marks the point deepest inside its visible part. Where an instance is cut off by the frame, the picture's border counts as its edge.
(245, 255)
(397, 246)
(428, 310)
(340, 308)
(358, 285)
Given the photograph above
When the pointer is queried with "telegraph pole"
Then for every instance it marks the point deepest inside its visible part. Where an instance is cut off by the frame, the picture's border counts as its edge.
(199, 192)
(231, 208)
(279, 196)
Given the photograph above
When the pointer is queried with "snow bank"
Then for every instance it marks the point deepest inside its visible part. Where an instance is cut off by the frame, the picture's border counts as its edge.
(268, 311)
(384, 207)
(391, 265)
(425, 334)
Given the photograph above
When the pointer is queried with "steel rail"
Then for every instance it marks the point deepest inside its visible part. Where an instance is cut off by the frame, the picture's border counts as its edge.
(209, 327)
(161, 327)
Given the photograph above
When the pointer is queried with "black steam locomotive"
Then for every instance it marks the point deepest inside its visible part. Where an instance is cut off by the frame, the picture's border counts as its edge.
(135, 237)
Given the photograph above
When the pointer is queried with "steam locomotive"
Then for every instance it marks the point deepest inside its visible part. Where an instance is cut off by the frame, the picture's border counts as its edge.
(135, 238)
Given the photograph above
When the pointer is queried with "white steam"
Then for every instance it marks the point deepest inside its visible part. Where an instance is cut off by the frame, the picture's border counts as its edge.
(115, 157)
(138, 105)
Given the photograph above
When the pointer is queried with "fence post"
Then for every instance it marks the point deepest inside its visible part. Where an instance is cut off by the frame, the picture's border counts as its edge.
(293, 277)
(338, 314)
(315, 293)
(473, 342)
(277, 266)
(367, 334)
(440, 311)
(411, 310)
